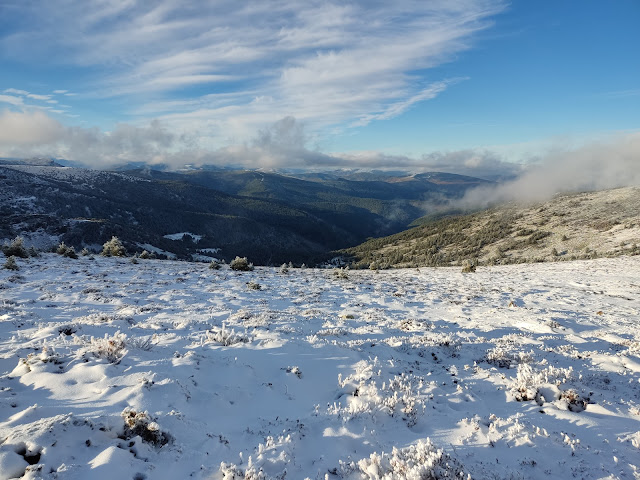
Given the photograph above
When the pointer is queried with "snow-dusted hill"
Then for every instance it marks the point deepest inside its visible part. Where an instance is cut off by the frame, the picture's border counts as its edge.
(167, 370)
(567, 227)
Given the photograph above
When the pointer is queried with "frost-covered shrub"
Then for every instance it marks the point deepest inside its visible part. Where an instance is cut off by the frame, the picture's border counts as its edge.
(142, 425)
(468, 267)
(420, 461)
(38, 361)
(231, 471)
(112, 349)
(214, 265)
(503, 358)
(254, 286)
(365, 393)
(11, 263)
(241, 264)
(529, 382)
(274, 456)
(284, 269)
(575, 402)
(342, 273)
(85, 252)
(145, 255)
(66, 251)
(113, 248)
(225, 336)
(15, 249)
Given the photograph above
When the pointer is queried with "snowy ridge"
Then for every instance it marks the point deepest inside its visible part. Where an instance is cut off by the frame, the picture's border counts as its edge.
(165, 370)
(72, 174)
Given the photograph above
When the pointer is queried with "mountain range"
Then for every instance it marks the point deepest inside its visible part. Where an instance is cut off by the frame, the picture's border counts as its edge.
(269, 217)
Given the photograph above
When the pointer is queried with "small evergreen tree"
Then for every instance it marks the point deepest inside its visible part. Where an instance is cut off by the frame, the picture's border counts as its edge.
(113, 248)
(16, 249)
(11, 264)
(241, 264)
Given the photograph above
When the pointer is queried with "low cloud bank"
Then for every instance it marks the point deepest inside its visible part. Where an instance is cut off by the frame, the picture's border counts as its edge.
(596, 166)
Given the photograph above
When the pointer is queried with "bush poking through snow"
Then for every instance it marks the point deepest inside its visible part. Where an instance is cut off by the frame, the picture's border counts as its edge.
(142, 425)
(241, 264)
(575, 403)
(529, 383)
(342, 273)
(112, 349)
(284, 269)
(502, 358)
(254, 286)
(145, 255)
(15, 249)
(113, 248)
(420, 461)
(214, 265)
(468, 267)
(11, 263)
(225, 337)
(231, 471)
(66, 251)
(36, 361)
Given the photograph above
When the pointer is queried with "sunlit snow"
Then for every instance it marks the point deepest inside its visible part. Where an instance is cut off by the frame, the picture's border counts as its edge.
(167, 370)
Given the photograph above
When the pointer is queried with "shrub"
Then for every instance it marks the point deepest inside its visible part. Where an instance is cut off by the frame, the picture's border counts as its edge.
(468, 267)
(145, 255)
(254, 286)
(422, 460)
(85, 251)
(141, 424)
(342, 273)
(112, 349)
(284, 269)
(241, 264)
(11, 264)
(113, 248)
(66, 251)
(214, 265)
(16, 249)
(225, 337)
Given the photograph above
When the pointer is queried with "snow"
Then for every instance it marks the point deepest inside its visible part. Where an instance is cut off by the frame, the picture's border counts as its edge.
(73, 174)
(165, 370)
(180, 235)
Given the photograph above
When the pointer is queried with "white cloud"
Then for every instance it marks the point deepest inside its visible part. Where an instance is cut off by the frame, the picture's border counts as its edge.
(12, 100)
(321, 61)
(38, 97)
(595, 166)
(28, 129)
(16, 91)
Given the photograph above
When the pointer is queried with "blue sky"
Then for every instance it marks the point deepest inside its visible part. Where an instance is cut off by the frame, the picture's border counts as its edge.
(420, 84)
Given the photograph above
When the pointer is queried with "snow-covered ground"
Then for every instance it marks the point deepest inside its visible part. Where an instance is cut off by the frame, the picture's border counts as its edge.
(170, 370)
(180, 236)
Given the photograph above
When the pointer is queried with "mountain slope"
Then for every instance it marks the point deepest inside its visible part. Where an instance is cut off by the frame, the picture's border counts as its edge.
(267, 217)
(584, 225)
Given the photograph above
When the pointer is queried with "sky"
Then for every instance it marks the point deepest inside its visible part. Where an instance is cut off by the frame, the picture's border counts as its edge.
(483, 87)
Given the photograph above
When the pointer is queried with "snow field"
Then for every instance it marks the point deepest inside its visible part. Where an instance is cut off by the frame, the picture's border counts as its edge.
(165, 370)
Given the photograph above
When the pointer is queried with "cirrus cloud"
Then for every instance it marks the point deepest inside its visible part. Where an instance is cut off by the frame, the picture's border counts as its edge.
(227, 69)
